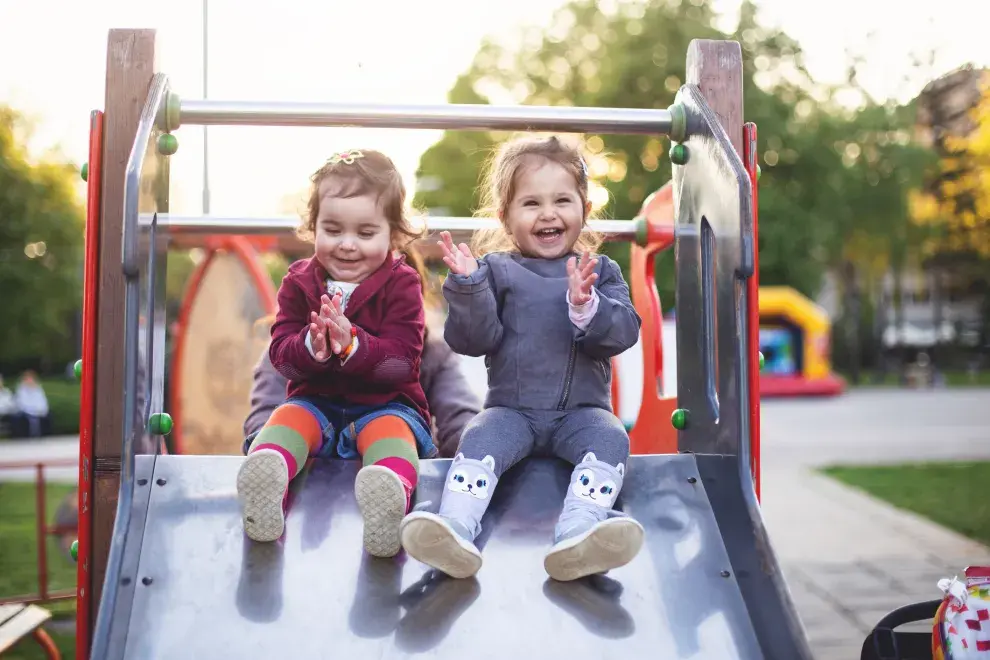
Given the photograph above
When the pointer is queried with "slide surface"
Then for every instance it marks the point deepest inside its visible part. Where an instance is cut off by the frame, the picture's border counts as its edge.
(200, 589)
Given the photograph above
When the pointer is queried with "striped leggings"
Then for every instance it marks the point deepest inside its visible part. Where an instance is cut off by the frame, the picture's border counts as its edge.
(383, 487)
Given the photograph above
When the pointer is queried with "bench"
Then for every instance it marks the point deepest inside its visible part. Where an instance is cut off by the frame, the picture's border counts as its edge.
(18, 621)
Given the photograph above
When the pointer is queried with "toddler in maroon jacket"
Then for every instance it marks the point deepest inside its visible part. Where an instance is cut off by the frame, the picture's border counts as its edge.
(348, 336)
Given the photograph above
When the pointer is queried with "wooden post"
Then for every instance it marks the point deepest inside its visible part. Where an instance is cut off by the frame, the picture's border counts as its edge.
(131, 63)
(716, 68)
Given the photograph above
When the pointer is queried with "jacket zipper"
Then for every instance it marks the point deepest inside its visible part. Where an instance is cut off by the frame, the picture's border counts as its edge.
(569, 376)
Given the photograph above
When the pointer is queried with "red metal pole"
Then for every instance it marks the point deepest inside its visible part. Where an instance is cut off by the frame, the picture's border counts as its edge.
(39, 508)
(88, 378)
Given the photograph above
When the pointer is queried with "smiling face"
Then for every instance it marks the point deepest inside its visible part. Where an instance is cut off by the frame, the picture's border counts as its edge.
(353, 236)
(546, 213)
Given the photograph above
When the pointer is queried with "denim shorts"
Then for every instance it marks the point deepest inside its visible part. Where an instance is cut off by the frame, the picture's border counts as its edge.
(341, 424)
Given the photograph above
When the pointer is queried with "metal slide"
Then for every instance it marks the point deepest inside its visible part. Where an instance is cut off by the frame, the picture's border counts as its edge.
(183, 581)
(201, 589)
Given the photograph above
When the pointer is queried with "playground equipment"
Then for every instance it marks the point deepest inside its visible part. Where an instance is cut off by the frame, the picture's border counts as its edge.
(170, 573)
(794, 340)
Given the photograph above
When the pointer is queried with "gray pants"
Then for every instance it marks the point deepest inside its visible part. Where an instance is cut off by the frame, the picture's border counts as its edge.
(509, 436)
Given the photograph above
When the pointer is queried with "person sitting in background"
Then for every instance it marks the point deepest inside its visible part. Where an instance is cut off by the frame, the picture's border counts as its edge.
(32, 403)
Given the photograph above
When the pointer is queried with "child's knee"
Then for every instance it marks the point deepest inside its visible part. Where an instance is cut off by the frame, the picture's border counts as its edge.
(601, 433)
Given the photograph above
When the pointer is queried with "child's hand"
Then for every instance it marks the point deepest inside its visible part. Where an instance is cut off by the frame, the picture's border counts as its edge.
(338, 326)
(318, 336)
(460, 260)
(580, 278)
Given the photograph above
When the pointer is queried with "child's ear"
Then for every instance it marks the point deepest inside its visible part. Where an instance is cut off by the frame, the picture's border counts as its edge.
(587, 209)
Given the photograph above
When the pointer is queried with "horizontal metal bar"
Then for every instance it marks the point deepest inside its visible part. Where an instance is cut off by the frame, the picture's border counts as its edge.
(565, 119)
(217, 225)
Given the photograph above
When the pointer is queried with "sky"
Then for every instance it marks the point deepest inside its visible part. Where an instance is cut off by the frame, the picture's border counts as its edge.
(375, 51)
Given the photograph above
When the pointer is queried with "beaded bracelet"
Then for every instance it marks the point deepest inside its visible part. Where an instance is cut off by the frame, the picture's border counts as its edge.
(350, 347)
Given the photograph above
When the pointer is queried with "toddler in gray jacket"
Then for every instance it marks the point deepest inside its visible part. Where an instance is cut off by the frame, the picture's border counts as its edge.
(548, 325)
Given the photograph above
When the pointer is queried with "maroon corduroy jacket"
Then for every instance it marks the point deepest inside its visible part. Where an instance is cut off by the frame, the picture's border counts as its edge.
(387, 311)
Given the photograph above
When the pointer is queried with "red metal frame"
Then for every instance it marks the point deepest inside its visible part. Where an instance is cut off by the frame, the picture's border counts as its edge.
(244, 248)
(43, 532)
(753, 312)
(652, 433)
(88, 378)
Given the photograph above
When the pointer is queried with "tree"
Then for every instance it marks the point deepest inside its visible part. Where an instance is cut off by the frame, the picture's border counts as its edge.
(41, 236)
(832, 182)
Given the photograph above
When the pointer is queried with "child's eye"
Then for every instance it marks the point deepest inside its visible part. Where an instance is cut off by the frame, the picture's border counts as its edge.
(367, 234)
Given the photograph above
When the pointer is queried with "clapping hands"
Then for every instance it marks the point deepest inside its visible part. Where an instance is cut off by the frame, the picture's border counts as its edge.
(329, 330)
(459, 259)
(581, 276)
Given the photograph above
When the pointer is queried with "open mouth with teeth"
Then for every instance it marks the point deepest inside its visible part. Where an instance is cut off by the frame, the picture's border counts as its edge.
(549, 234)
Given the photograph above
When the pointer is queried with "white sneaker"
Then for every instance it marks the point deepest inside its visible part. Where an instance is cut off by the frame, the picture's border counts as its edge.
(382, 496)
(262, 487)
(608, 544)
(430, 539)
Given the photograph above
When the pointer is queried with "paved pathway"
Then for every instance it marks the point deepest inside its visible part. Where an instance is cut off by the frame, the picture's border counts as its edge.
(61, 451)
(850, 559)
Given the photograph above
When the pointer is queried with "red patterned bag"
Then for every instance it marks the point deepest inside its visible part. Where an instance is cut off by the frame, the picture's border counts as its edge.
(961, 629)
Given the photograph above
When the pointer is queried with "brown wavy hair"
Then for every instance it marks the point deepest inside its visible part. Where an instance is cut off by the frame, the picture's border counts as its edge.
(372, 172)
(501, 179)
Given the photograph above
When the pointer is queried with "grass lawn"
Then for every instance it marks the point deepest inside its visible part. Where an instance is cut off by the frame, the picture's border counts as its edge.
(19, 564)
(954, 495)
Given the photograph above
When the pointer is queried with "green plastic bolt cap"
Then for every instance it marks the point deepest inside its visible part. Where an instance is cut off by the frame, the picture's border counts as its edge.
(84, 172)
(759, 172)
(167, 144)
(679, 154)
(679, 419)
(74, 550)
(77, 368)
(678, 122)
(761, 360)
(160, 424)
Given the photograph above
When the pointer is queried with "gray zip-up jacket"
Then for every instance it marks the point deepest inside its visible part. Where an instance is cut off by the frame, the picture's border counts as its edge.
(513, 310)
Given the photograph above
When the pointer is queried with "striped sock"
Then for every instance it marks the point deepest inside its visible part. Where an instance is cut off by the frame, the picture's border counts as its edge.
(384, 485)
(292, 431)
(389, 442)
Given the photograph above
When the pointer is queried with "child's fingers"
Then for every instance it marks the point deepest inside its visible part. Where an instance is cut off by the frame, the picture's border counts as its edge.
(571, 267)
(335, 347)
(465, 250)
(452, 263)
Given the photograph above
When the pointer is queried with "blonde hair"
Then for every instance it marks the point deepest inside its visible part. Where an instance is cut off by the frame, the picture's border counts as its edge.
(501, 181)
(361, 172)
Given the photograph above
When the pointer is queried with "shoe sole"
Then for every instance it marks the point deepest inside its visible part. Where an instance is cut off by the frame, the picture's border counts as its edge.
(610, 544)
(381, 498)
(426, 538)
(261, 484)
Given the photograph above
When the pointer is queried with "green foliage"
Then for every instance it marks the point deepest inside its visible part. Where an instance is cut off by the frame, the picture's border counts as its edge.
(929, 489)
(63, 404)
(835, 181)
(41, 237)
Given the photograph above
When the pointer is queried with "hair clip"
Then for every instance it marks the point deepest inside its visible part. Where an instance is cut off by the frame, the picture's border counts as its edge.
(347, 157)
(584, 166)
